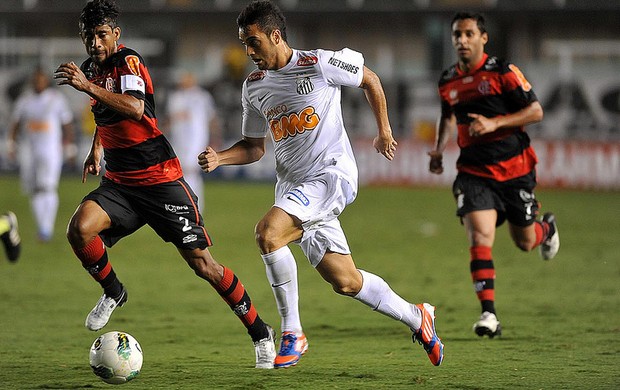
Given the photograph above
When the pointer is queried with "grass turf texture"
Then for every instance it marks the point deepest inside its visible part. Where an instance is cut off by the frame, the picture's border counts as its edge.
(561, 319)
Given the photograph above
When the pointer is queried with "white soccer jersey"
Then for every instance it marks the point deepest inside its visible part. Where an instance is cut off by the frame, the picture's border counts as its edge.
(42, 116)
(299, 105)
(190, 111)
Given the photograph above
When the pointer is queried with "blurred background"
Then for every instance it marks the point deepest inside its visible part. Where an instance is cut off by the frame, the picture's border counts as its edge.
(568, 49)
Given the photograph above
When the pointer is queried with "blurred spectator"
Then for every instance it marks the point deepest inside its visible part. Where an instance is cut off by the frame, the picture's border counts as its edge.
(192, 120)
(227, 91)
(41, 125)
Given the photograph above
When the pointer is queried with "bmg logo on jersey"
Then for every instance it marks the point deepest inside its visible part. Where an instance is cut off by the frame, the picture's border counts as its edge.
(293, 124)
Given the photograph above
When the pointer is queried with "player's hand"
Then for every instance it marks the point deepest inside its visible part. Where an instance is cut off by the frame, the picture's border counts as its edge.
(481, 125)
(436, 164)
(386, 145)
(91, 167)
(71, 74)
(208, 160)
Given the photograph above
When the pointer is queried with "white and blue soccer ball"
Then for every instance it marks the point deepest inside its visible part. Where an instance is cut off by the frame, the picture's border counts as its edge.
(116, 357)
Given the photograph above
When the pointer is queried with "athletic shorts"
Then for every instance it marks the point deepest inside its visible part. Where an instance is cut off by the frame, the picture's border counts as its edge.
(169, 208)
(318, 203)
(513, 199)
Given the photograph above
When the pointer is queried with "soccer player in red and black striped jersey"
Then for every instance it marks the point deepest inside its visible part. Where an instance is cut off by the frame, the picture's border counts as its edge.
(489, 101)
(143, 181)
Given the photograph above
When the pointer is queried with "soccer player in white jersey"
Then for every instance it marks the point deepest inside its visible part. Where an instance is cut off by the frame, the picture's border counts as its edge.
(295, 96)
(192, 117)
(41, 123)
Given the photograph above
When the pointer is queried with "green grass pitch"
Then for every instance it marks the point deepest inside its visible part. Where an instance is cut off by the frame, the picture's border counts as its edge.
(561, 319)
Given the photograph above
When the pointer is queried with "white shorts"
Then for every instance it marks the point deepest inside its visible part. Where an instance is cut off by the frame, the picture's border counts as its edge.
(40, 169)
(318, 203)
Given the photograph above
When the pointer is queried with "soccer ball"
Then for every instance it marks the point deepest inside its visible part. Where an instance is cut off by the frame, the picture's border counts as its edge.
(116, 357)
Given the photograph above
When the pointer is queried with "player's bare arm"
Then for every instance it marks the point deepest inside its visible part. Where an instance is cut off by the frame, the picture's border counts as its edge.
(92, 163)
(127, 105)
(245, 151)
(446, 125)
(384, 142)
(482, 125)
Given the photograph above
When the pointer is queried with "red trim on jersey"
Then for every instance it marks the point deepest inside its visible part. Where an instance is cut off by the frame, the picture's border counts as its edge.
(505, 170)
(127, 133)
(460, 72)
(161, 173)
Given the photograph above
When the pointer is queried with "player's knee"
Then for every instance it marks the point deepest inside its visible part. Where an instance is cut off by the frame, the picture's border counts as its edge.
(346, 286)
(79, 233)
(266, 237)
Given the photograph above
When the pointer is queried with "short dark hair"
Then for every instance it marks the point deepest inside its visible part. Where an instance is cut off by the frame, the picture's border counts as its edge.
(470, 15)
(265, 14)
(98, 13)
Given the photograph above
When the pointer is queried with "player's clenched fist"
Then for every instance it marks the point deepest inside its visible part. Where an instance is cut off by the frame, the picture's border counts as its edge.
(71, 74)
(208, 160)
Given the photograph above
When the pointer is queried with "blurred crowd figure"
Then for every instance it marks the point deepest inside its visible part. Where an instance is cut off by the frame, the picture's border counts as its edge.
(192, 125)
(41, 127)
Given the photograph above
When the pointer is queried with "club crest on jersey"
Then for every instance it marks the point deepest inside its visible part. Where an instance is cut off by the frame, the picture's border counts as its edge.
(133, 63)
(484, 87)
(307, 61)
(110, 84)
(453, 94)
(259, 75)
(304, 86)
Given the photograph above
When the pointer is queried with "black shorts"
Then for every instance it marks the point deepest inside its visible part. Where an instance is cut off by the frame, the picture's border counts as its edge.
(513, 199)
(170, 209)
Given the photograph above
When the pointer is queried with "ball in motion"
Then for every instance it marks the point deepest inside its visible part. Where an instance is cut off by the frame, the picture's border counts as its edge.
(116, 357)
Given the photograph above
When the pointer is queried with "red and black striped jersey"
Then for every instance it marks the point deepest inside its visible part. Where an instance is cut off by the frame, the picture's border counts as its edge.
(135, 152)
(492, 88)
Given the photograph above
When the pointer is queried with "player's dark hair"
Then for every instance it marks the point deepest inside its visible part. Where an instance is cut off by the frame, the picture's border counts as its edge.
(266, 15)
(98, 13)
(470, 15)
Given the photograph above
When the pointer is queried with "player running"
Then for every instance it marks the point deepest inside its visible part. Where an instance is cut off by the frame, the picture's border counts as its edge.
(489, 101)
(294, 95)
(143, 182)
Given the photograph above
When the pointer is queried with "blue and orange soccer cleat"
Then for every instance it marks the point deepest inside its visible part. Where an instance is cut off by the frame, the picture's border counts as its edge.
(291, 348)
(427, 336)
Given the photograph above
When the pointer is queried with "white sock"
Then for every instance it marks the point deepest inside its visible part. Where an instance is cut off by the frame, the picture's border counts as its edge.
(282, 274)
(377, 294)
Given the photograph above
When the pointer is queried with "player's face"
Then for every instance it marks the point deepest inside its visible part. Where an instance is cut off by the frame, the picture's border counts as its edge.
(259, 47)
(100, 42)
(468, 41)
(40, 82)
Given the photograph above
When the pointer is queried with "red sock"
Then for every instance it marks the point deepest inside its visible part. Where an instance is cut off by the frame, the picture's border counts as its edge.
(94, 258)
(483, 276)
(234, 294)
(542, 231)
